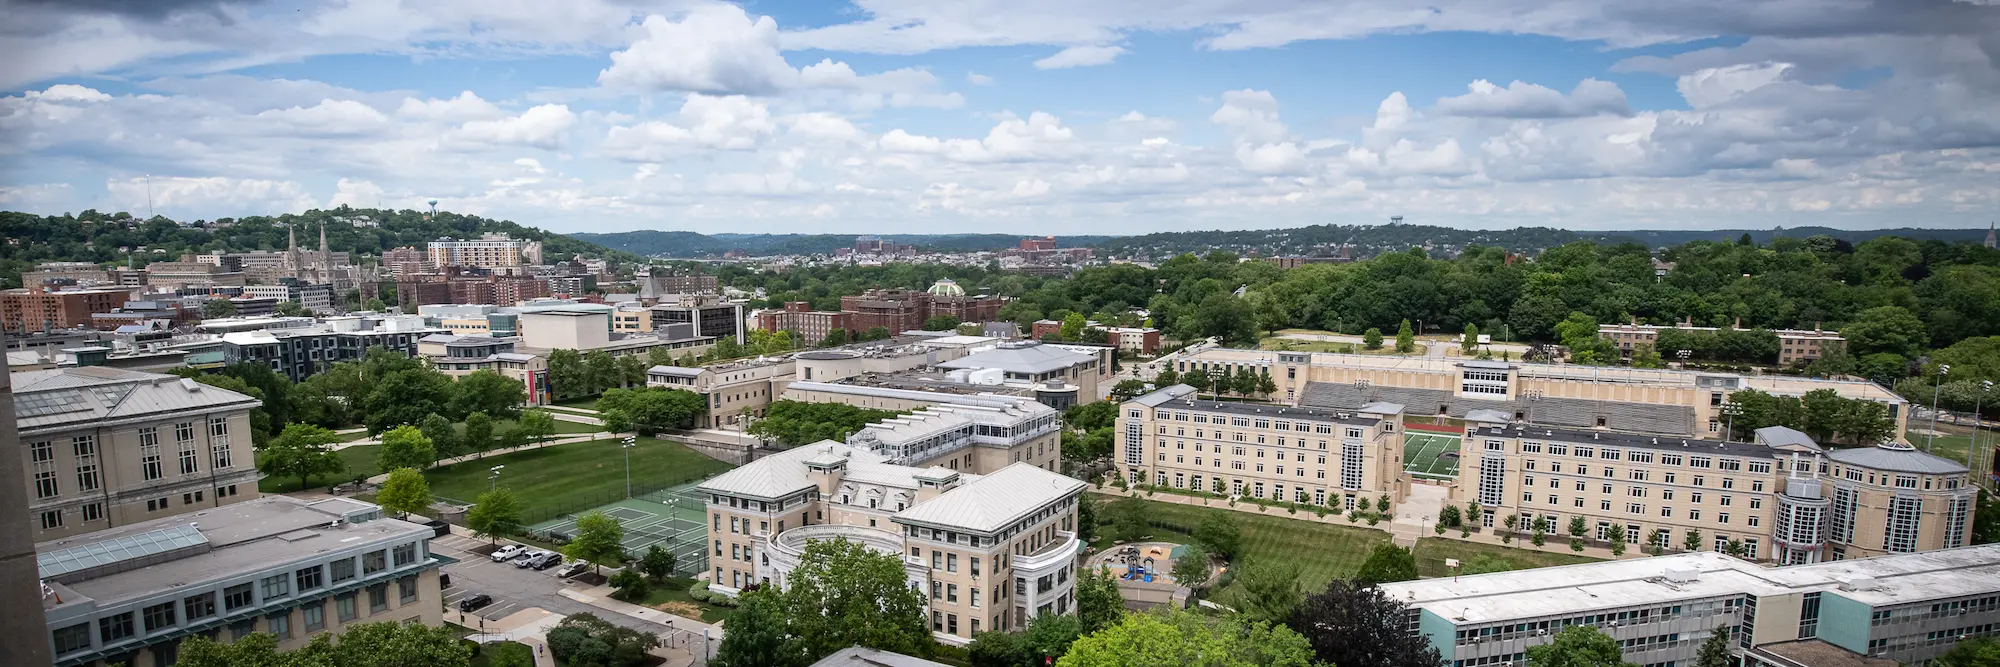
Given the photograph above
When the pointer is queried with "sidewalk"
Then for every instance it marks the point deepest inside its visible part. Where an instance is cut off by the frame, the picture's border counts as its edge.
(679, 649)
(581, 437)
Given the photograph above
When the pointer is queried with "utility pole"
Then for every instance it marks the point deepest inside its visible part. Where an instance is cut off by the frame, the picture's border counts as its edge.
(1937, 388)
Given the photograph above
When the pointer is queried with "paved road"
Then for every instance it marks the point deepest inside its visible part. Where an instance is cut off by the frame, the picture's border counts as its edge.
(514, 589)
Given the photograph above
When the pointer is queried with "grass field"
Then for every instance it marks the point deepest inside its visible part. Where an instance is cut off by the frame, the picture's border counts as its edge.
(585, 402)
(360, 460)
(575, 476)
(351, 437)
(1954, 442)
(1432, 551)
(1423, 454)
(676, 590)
(1322, 551)
(492, 652)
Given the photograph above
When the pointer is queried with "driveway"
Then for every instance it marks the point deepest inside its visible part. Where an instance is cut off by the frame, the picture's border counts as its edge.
(515, 589)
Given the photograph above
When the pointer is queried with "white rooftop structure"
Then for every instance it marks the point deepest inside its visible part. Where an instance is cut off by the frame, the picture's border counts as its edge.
(1025, 357)
(993, 502)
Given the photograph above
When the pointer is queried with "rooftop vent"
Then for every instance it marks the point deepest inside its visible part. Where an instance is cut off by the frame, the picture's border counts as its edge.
(1683, 575)
(1858, 583)
(190, 385)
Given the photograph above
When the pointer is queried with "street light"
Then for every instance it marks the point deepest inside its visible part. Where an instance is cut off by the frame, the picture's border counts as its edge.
(493, 479)
(629, 442)
(1938, 387)
(1730, 409)
(1977, 422)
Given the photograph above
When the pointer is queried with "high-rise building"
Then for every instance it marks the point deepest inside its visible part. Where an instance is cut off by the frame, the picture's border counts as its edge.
(716, 320)
(489, 250)
(37, 308)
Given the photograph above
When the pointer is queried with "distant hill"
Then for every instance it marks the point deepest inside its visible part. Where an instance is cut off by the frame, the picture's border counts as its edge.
(692, 244)
(1369, 240)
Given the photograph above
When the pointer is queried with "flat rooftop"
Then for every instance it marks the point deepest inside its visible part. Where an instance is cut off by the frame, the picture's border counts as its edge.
(1589, 437)
(1274, 411)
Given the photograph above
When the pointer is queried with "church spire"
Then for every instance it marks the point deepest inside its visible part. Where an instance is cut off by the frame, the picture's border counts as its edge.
(325, 258)
(1992, 241)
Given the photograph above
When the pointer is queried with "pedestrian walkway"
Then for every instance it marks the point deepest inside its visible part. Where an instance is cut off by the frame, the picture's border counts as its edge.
(686, 640)
(581, 437)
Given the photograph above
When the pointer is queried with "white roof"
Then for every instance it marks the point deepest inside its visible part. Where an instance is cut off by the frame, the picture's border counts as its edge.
(1897, 457)
(993, 502)
(781, 474)
(1024, 358)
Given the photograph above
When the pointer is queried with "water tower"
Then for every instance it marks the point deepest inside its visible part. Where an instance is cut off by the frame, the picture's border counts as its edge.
(1394, 219)
(434, 209)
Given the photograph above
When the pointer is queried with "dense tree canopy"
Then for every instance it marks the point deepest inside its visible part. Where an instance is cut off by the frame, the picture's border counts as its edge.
(1185, 638)
(795, 423)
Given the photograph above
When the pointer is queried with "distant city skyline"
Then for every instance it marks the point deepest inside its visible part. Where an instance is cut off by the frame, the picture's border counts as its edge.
(1112, 118)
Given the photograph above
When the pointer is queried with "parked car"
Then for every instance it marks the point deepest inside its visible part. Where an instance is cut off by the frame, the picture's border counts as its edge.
(572, 569)
(473, 603)
(528, 558)
(546, 561)
(508, 552)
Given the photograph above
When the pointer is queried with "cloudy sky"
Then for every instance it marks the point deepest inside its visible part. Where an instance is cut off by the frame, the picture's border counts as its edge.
(1028, 116)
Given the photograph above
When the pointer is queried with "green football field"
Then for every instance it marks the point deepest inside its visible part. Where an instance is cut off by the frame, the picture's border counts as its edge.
(1424, 454)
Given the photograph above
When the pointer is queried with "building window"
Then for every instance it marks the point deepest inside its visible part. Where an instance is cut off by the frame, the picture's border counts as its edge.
(149, 453)
(374, 561)
(276, 586)
(378, 598)
(218, 443)
(315, 614)
(52, 519)
(73, 638)
(406, 554)
(280, 624)
(406, 590)
(309, 578)
(114, 628)
(199, 606)
(238, 596)
(85, 449)
(158, 616)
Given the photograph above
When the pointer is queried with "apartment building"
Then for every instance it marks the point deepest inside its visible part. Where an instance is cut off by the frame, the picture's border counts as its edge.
(1288, 454)
(292, 568)
(104, 447)
(798, 316)
(1681, 403)
(490, 250)
(300, 352)
(717, 320)
(1796, 347)
(1782, 497)
(317, 298)
(37, 308)
(1903, 608)
(662, 286)
(990, 551)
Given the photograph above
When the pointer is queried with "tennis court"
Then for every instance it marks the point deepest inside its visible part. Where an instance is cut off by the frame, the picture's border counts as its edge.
(1430, 455)
(671, 518)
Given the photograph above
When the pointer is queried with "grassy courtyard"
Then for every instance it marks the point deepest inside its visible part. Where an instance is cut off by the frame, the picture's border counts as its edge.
(360, 460)
(1323, 552)
(1432, 552)
(574, 476)
(675, 590)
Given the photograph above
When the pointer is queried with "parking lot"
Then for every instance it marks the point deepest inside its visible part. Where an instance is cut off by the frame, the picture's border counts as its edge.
(516, 589)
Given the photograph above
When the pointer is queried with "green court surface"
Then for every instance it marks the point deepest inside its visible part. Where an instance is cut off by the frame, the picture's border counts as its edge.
(1433, 455)
(671, 518)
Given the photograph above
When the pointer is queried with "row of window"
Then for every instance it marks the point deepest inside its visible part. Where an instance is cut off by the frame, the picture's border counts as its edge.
(1635, 456)
(166, 615)
(58, 518)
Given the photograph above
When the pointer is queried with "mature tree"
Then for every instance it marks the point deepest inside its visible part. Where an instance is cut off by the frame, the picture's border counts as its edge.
(630, 585)
(1099, 605)
(1267, 590)
(1886, 329)
(291, 309)
(405, 492)
(1266, 385)
(535, 425)
(842, 594)
(1406, 340)
(1199, 379)
(597, 540)
(1354, 623)
(1469, 343)
(1049, 636)
(261, 424)
(374, 305)
(834, 338)
(302, 451)
(875, 333)
(650, 410)
(1245, 382)
(1128, 389)
(406, 447)
(567, 378)
(795, 423)
(1715, 651)
(1578, 646)
(600, 371)
(584, 640)
(1167, 377)
(988, 649)
(478, 436)
(941, 323)
(407, 397)
(385, 644)
(760, 635)
(1644, 356)
(1192, 568)
(495, 514)
(1388, 563)
(218, 307)
(1072, 326)
(1222, 535)
(492, 393)
(1372, 338)
(1178, 637)
(1978, 652)
(329, 398)
(631, 371)
(657, 563)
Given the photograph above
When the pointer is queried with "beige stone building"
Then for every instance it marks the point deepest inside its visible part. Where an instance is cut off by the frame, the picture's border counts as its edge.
(738, 391)
(1782, 497)
(1680, 403)
(105, 447)
(1290, 454)
(278, 565)
(989, 552)
(491, 250)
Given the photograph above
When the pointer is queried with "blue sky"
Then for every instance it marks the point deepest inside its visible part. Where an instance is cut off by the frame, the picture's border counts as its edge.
(1034, 116)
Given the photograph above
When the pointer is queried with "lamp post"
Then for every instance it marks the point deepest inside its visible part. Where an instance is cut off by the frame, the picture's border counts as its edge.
(1972, 451)
(493, 478)
(1936, 389)
(627, 445)
(1730, 409)
(1684, 354)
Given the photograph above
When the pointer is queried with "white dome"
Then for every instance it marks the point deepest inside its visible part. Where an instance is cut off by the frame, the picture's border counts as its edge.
(946, 287)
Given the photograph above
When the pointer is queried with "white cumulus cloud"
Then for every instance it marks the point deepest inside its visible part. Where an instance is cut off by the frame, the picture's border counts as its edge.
(1526, 100)
(1081, 56)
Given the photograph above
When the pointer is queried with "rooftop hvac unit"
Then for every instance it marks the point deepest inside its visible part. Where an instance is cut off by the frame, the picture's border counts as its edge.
(1683, 575)
(1857, 584)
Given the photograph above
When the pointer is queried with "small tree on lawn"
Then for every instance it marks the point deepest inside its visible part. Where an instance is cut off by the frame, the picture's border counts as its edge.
(1372, 339)
(1406, 340)
(597, 540)
(1473, 514)
(1541, 536)
(1510, 522)
(1388, 564)
(1192, 568)
(497, 513)
(1267, 590)
(1382, 504)
(1656, 542)
(632, 586)
(1617, 535)
(536, 425)
(1576, 531)
(658, 563)
(406, 447)
(1692, 542)
(1220, 534)
(405, 492)
(478, 433)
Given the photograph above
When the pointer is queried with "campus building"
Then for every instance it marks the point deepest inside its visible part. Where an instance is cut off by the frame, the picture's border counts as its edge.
(1281, 453)
(740, 390)
(990, 552)
(103, 447)
(1796, 347)
(798, 316)
(710, 319)
(490, 250)
(37, 308)
(1904, 608)
(1680, 403)
(292, 568)
(1781, 498)
(299, 352)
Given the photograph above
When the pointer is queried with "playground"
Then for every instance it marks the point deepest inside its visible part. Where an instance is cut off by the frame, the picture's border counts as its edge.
(671, 518)
(1430, 455)
(1143, 571)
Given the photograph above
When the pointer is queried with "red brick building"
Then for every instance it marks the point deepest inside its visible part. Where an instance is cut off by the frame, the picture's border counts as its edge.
(37, 309)
(892, 309)
(1044, 243)
(798, 316)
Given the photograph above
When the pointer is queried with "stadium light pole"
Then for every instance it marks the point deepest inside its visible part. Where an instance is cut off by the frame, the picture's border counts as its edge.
(493, 479)
(1534, 396)
(630, 442)
(1971, 452)
(1729, 410)
(1936, 389)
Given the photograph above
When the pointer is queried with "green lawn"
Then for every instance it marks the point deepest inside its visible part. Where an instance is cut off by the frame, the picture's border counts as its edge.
(360, 460)
(676, 590)
(1431, 552)
(1322, 551)
(1954, 442)
(351, 437)
(575, 476)
(562, 427)
(489, 652)
(585, 402)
